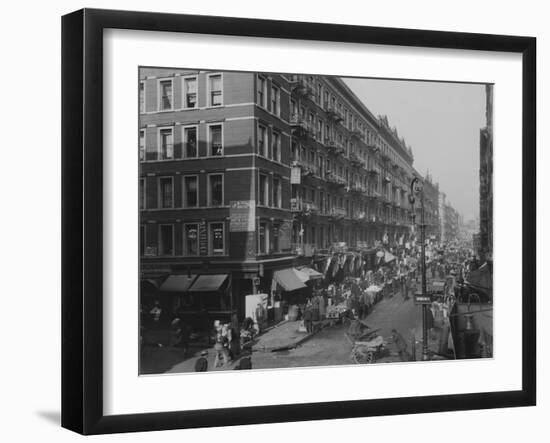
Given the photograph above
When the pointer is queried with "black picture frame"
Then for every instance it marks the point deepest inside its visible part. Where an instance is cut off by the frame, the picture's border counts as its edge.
(82, 217)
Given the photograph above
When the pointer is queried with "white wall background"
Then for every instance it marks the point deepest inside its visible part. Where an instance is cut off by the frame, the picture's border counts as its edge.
(30, 218)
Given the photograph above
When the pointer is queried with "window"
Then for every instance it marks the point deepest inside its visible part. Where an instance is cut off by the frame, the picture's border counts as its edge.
(276, 192)
(191, 239)
(190, 142)
(217, 239)
(166, 239)
(263, 238)
(325, 100)
(276, 146)
(294, 151)
(166, 144)
(319, 132)
(141, 193)
(141, 97)
(275, 100)
(261, 84)
(215, 137)
(190, 92)
(165, 97)
(142, 144)
(261, 139)
(263, 191)
(276, 238)
(318, 94)
(166, 192)
(293, 110)
(215, 88)
(215, 190)
(190, 191)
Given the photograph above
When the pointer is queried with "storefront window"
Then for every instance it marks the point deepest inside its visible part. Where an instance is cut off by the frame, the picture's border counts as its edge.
(217, 246)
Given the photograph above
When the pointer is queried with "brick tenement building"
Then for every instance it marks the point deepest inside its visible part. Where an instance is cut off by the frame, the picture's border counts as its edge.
(351, 170)
(485, 251)
(245, 174)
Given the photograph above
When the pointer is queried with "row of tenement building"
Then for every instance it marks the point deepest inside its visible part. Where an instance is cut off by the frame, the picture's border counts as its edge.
(244, 174)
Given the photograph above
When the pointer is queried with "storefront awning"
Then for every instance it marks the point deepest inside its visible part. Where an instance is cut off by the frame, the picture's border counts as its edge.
(177, 283)
(208, 282)
(289, 279)
(311, 274)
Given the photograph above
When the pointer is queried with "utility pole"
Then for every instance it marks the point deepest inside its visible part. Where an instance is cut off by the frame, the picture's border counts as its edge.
(416, 188)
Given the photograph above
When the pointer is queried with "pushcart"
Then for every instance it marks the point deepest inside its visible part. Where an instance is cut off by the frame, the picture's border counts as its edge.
(367, 347)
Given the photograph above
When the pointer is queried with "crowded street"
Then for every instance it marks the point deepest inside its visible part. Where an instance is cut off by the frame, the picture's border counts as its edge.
(374, 318)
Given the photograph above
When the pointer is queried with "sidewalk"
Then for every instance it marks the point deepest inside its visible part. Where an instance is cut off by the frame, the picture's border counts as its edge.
(282, 336)
(286, 335)
(188, 365)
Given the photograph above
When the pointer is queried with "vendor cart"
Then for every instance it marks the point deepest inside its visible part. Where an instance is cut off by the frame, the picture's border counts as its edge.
(367, 345)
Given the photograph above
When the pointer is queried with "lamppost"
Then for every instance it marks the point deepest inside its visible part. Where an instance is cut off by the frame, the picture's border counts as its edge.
(416, 189)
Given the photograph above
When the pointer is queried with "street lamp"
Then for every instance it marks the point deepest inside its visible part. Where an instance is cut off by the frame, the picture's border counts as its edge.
(416, 189)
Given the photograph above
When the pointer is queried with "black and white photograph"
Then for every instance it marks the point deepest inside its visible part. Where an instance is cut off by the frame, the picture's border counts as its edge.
(244, 220)
(302, 220)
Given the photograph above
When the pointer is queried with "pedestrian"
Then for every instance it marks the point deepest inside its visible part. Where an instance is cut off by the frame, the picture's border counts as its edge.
(322, 307)
(308, 318)
(400, 344)
(441, 271)
(234, 343)
(201, 365)
(404, 289)
(155, 314)
(411, 287)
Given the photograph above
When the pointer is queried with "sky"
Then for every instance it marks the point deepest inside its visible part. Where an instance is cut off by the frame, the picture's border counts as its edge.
(441, 122)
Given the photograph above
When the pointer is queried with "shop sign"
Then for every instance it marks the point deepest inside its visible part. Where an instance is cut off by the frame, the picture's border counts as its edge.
(422, 299)
(203, 239)
(242, 216)
(285, 235)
